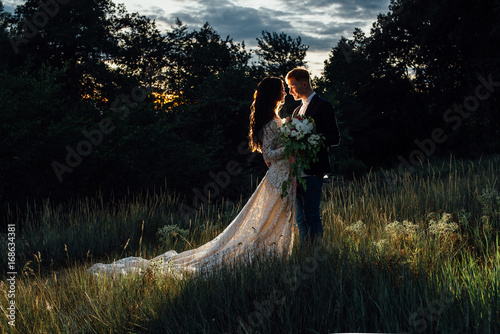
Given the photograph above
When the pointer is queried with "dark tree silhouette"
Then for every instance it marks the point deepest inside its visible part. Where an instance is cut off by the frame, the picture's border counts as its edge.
(280, 53)
(414, 75)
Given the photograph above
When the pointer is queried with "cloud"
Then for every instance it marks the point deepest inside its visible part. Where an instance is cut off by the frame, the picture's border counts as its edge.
(363, 10)
(240, 23)
(325, 36)
(10, 6)
(319, 23)
(360, 9)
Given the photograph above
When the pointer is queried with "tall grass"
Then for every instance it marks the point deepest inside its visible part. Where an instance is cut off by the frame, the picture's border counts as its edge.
(401, 253)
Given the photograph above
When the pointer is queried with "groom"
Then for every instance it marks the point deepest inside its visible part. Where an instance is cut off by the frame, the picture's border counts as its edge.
(307, 213)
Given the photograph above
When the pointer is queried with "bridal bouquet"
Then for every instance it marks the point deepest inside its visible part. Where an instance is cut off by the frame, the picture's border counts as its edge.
(302, 144)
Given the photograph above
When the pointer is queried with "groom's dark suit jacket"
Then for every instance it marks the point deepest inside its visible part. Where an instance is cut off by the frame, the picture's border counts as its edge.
(324, 117)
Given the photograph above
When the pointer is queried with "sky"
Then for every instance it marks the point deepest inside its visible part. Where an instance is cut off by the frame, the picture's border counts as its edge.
(319, 23)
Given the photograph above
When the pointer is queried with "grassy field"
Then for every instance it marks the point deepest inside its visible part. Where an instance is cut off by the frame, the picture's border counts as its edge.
(412, 253)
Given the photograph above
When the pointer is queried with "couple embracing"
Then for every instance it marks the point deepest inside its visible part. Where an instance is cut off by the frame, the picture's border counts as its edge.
(265, 223)
(307, 210)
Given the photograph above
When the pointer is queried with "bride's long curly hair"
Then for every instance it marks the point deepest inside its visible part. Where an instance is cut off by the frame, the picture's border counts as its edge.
(266, 103)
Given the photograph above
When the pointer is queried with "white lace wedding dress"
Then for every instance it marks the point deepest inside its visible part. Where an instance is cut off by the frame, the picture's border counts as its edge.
(263, 227)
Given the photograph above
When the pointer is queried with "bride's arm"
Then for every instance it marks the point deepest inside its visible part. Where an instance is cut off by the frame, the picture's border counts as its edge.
(270, 150)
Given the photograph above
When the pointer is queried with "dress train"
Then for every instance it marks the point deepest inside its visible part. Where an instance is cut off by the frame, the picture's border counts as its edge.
(264, 226)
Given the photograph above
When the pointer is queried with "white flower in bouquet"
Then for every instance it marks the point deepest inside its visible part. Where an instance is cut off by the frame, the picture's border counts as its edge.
(313, 139)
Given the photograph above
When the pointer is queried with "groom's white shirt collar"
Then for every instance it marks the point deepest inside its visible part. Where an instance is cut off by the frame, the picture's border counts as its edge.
(305, 104)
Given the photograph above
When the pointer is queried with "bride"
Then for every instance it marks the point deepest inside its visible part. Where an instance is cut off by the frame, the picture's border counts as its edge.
(264, 225)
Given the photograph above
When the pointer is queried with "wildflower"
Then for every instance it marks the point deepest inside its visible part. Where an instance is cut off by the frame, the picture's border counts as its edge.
(380, 244)
(443, 226)
(397, 229)
(359, 227)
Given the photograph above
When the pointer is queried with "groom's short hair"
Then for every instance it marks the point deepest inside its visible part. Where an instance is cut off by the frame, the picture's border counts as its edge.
(299, 74)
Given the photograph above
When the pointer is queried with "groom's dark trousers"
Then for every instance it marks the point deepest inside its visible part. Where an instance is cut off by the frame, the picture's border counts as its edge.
(307, 212)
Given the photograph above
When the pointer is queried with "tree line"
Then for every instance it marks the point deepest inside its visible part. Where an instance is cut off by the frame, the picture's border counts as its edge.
(94, 98)
(424, 83)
